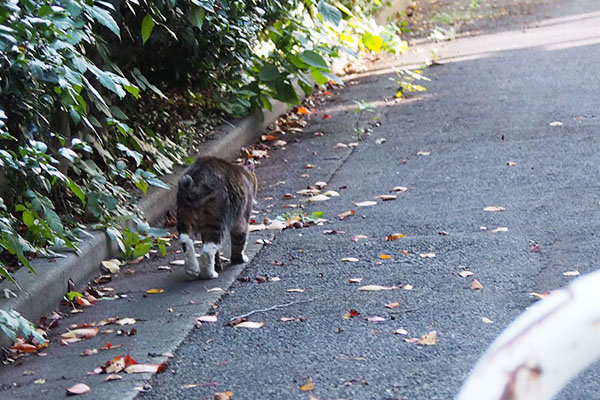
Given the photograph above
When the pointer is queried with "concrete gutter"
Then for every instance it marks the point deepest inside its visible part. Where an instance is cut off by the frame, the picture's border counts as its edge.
(42, 292)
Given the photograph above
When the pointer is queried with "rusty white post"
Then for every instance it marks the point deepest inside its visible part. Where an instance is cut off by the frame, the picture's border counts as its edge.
(539, 352)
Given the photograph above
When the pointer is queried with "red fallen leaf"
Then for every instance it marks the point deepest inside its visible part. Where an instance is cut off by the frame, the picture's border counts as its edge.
(79, 388)
(108, 345)
(92, 299)
(303, 110)
(351, 314)
(267, 138)
(129, 360)
(24, 347)
(327, 93)
(83, 302)
(288, 196)
(309, 166)
(326, 116)
(252, 221)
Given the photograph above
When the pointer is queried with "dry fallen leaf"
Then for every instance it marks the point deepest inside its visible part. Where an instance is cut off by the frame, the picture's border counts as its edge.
(145, 368)
(215, 289)
(250, 324)
(423, 153)
(79, 388)
(376, 288)
(380, 141)
(476, 285)
(511, 163)
(340, 146)
(392, 305)
(387, 197)
(385, 256)
(400, 331)
(427, 255)
(375, 319)
(223, 396)
(89, 352)
(350, 259)
(367, 203)
(125, 321)
(355, 280)
(177, 262)
(308, 386)
(207, 318)
(500, 229)
(428, 339)
(395, 236)
(346, 214)
(111, 266)
(280, 143)
(556, 123)
(331, 193)
(494, 209)
(571, 273)
(318, 197)
(465, 274)
(486, 320)
(356, 238)
(296, 290)
(256, 227)
(399, 189)
(351, 314)
(407, 287)
(83, 333)
(113, 377)
(40, 381)
(303, 110)
(154, 291)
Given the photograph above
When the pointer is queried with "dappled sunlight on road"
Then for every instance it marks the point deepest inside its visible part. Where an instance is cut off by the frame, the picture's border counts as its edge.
(548, 35)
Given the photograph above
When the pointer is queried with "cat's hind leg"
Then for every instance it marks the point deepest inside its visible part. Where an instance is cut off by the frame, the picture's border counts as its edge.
(210, 250)
(238, 244)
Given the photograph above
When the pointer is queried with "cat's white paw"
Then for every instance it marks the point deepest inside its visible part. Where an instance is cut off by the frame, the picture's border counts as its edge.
(239, 258)
(192, 269)
(207, 261)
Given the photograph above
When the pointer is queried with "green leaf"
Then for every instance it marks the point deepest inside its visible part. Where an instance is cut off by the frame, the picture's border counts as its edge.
(133, 90)
(28, 218)
(76, 190)
(329, 13)
(72, 294)
(103, 17)
(286, 92)
(158, 183)
(318, 76)
(147, 27)
(314, 59)
(157, 232)
(372, 42)
(141, 249)
(142, 185)
(269, 73)
(196, 17)
(7, 275)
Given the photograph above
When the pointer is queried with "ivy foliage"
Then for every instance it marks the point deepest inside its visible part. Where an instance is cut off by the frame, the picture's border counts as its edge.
(84, 85)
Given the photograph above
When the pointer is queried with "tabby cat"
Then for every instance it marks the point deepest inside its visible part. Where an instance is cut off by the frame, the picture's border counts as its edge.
(214, 197)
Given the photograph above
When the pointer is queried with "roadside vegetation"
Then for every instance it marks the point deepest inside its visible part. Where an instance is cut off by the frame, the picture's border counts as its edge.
(98, 99)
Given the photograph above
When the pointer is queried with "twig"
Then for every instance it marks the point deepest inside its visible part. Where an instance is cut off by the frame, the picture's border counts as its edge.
(275, 307)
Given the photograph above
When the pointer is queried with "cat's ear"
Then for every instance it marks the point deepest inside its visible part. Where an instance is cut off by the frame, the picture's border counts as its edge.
(186, 181)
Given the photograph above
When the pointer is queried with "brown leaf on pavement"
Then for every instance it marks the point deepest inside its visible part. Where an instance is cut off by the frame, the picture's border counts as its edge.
(346, 214)
(84, 333)
(494, 209)
(429, 339)
(394, 236)
(308, 386)
(476, 285)
(376, 288)
(367, 203)
(387, 197)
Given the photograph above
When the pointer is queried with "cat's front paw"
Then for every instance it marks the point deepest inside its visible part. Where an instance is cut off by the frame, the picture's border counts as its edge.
(239, 258)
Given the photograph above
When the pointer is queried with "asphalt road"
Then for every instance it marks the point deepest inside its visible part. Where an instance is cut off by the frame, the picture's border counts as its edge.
(509, 119)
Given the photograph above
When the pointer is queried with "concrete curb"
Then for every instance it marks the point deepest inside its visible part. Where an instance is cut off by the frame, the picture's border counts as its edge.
(42, 292)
